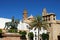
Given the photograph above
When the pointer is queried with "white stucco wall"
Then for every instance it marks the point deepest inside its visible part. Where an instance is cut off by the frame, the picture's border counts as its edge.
(3, 21)
(23, 26)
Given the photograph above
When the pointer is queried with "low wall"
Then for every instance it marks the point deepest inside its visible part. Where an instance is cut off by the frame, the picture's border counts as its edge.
(11, 36)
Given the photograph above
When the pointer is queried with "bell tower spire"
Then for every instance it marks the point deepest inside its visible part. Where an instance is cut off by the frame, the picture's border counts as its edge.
(24, 14)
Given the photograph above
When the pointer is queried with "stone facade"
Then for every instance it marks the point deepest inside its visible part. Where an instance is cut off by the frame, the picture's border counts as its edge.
(54, 25)
(50, 18)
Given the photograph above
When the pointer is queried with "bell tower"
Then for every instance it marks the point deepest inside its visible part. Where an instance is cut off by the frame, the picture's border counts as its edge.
(44, 13)
(24, 14)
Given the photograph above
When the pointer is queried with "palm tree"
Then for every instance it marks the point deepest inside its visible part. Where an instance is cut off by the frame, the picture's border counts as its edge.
(38, 23)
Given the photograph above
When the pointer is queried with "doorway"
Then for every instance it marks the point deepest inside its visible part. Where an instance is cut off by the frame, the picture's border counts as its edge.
(59, 37)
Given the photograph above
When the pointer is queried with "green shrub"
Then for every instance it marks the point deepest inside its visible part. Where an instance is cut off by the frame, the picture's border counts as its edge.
(45, 36)
(0, 33)
(31, 35)
(0, 30)
(12, 30)
(22, 33)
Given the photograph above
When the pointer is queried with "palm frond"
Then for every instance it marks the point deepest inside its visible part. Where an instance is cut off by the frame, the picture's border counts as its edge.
(38, 23)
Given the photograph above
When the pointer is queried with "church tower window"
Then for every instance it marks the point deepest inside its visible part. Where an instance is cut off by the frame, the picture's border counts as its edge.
(53, 17)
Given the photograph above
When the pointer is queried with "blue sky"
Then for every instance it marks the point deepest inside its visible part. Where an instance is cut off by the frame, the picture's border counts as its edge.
(9, 8)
